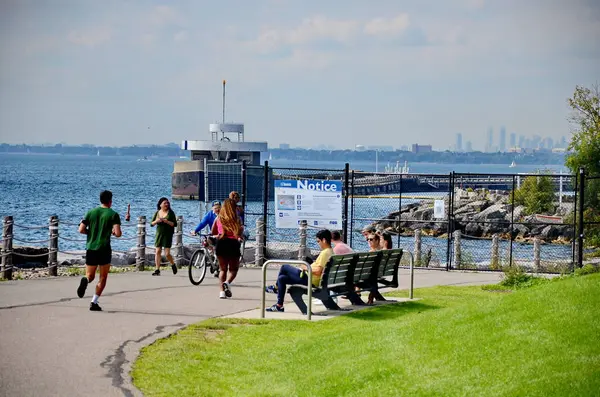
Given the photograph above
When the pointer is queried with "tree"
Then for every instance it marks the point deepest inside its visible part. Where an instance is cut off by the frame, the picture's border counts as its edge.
(536, 194)
(585, 142)
(585, 147)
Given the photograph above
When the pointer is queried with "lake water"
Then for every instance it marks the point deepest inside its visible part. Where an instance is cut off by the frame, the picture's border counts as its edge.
(34, 187)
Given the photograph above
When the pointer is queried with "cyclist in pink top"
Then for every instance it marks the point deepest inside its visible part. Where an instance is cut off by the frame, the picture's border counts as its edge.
(339, 247)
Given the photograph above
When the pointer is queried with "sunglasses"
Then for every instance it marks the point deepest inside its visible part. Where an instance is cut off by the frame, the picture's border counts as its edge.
(371, 239)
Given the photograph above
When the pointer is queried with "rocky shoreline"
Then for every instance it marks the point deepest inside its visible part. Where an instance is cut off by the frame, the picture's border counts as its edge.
(481, 214)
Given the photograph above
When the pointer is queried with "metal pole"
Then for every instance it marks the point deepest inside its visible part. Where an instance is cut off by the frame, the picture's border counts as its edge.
(512, 222)
(574, 224)
(352, 212)
(7, 246)
(412, 275)
(264, 284)
(581, 204)
(346, 194)
(244, 185)
(449, 227)
(224, 82)
(53, 246)
(206, 197)
(400, 209)
(141, 243)
(266, 200)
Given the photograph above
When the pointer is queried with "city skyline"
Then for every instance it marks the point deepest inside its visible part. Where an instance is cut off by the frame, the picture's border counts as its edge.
(337, 73)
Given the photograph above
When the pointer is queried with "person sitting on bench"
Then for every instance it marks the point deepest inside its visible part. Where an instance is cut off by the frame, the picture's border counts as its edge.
(293, 275)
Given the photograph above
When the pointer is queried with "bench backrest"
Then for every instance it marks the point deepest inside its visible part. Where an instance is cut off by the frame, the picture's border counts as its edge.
(337, 270)
(389, 262)
(366, 262)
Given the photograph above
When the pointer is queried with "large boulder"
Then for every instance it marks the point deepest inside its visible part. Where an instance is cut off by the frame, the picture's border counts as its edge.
(424, 214)
(494, 212)
(474, 229)
(473, 206)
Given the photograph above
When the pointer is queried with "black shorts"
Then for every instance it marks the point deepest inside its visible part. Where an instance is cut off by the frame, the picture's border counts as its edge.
(98, 257)
(228, 248)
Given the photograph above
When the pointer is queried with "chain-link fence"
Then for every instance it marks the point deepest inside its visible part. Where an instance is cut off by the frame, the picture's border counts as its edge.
(448, 221)
(283, 242)
(522, 219)
(589, 216)
(400, 205)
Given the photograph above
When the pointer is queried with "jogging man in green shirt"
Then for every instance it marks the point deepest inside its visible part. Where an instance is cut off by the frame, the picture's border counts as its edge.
(98, 224)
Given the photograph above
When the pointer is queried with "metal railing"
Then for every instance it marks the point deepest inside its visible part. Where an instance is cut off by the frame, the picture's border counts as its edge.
(264, 284)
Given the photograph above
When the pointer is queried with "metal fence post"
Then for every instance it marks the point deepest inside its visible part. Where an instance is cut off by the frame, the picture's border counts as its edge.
(418, 247)
(244, 186)
(303, 232)
(53, 246)
(179, 241)
(580, 228)
(495, 264)
(7, 245)
(352, 209)
(259, 251)
(536, 253)
(457, 253)
(449, 225)
(140, 259)
(346, 194)
(265, 202)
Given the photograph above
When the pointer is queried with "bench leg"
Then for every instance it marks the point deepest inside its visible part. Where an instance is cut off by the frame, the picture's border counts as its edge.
(297, 297)
(327, 301)
(377, 295)
(355, 299)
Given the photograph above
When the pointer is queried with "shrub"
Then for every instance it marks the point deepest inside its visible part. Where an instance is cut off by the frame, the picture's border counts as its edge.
(536, 194)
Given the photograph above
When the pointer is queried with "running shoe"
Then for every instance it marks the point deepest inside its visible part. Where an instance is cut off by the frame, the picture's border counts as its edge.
(82, 286)
(271, 289)
(227, 290)
(275, 308)
(94, 307)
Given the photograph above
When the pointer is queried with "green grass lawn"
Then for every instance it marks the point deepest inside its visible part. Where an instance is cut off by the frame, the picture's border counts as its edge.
(455, 341)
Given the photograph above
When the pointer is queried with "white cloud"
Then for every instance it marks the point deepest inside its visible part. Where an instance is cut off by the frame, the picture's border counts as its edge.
(91, 37)
(180, 36)
(310, 30)
(387, 26)
(163, 16)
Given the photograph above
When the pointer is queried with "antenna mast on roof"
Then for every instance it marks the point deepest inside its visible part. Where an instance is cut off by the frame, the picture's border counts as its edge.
(224, 101)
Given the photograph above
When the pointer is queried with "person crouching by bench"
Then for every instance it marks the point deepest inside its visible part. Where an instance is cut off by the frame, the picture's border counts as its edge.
(293, 275)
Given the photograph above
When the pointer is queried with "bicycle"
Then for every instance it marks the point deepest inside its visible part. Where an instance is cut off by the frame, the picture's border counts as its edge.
(203, 256)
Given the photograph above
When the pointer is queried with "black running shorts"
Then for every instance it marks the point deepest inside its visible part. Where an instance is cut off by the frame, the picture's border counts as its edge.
(228, 248)
(98, 257)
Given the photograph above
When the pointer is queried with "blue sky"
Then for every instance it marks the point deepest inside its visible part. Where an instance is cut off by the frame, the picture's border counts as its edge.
(337, 72)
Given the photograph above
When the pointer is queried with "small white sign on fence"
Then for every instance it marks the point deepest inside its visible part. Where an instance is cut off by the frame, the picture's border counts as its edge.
(438, 209)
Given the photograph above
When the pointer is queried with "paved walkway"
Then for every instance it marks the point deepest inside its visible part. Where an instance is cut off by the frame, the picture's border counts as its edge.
(52, 345)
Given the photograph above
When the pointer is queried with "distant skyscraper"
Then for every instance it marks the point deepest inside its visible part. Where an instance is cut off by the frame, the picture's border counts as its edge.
(513, 140)
(489, 145)
(502, 143)
(563, 142)
(459, 142)
(521, 141)
(468, 147)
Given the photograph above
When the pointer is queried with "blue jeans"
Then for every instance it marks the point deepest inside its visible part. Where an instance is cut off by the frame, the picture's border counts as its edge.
(288, 275)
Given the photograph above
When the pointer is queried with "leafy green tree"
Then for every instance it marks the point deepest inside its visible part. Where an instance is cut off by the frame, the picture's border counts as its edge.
(536, 194)
(585, 142)
(585, 152)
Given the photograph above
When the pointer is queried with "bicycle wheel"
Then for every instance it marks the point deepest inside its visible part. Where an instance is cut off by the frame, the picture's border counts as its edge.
(197, 267)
